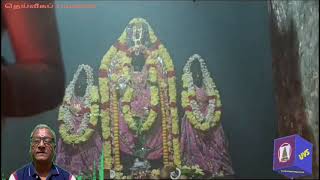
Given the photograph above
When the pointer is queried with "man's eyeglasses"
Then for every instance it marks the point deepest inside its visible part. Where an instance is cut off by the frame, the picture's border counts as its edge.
(46, 140)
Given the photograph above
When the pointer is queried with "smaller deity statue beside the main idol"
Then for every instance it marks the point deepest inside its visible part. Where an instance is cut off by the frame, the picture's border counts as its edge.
(80, 144)
(203, 143)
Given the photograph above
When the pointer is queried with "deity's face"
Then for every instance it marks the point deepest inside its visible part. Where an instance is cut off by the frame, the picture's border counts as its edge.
(76, 107)
(42, 146)
(137, 34)
(139, 79)
(80, 84)
(196, 73)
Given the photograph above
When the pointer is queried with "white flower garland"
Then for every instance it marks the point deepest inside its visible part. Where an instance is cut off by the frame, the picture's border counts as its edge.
(65, 116)
(196, 117)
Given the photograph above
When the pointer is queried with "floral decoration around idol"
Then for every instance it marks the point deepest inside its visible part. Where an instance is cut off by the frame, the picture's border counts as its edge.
(74, 108)
(115, 76)
(188, 97)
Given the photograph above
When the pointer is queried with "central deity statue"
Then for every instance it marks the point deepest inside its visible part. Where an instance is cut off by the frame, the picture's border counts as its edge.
(138, 100)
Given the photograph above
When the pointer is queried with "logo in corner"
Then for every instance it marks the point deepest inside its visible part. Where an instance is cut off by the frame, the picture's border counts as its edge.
(284, 152)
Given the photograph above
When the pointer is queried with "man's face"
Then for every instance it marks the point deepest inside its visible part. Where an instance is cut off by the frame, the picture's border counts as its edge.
(42, 145)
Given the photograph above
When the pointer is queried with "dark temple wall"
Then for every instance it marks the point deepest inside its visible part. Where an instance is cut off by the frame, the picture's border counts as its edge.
(295, 50)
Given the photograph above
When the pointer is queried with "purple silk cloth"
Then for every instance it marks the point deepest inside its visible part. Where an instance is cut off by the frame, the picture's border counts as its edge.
(141, 102)
(79, 158)
(78, 117)
(207, 149)
(128, 140)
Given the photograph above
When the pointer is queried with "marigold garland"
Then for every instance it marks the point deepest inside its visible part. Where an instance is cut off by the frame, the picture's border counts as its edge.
(164, 55)
(127, 98)
(116, 52)
(192, 111)
(116, 145)
(104, 105)
(164, 132)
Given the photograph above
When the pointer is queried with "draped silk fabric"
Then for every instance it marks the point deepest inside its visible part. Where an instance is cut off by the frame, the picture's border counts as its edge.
(141, 102)
(207, 149)
(79, 158)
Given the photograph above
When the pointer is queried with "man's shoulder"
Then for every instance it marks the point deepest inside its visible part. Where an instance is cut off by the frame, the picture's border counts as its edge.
(27, 171)
(23, 168)
(21, 171)
(62, 171)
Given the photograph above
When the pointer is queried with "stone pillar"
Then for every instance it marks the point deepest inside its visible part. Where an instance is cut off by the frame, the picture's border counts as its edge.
(295, 59)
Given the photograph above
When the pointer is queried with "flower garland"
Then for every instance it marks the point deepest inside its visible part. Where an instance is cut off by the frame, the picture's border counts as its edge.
(155, 172)
(116, 145)
(90, 116)
(164, 56)
(192, 171)
(119, 53)
(162, 53)
(127, 98)
(164, 129)
(105, 106)
(188, 97)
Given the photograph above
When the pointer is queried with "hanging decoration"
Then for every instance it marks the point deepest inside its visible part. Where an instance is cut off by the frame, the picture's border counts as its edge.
(75, 109)
(188, 97)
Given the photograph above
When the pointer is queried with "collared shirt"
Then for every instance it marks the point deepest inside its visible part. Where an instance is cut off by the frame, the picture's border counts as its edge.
(28, 172)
